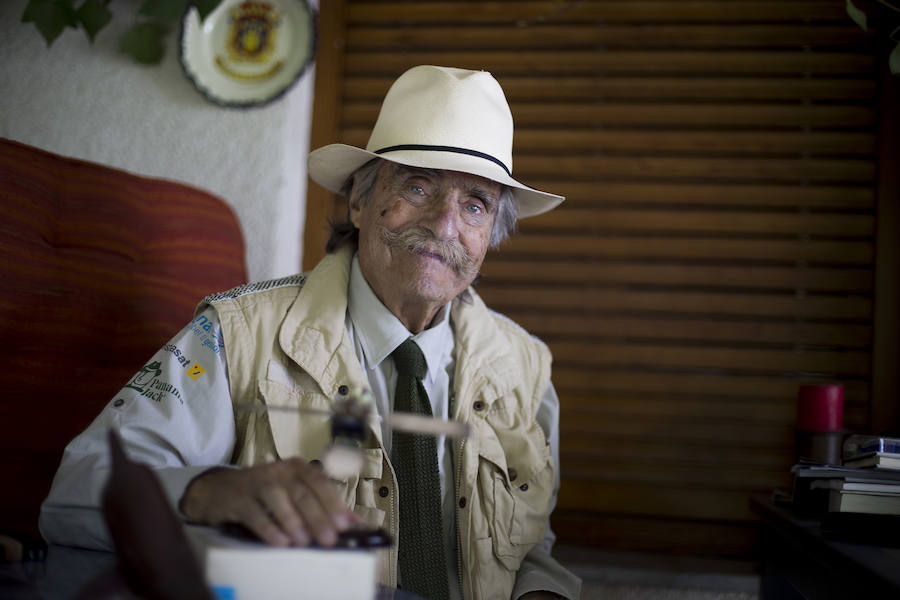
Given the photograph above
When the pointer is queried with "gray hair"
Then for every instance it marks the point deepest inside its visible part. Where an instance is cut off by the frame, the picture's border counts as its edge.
(362, 182)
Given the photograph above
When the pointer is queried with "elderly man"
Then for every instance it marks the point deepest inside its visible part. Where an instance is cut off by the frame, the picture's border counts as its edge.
(388, 309)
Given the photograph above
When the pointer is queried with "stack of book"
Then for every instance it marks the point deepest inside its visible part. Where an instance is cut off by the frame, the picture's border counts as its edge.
(828, 488)
(869, 451)
(864, 484)
(861, 497)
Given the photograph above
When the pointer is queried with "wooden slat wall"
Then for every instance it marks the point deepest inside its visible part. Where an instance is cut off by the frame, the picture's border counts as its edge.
(715, 250)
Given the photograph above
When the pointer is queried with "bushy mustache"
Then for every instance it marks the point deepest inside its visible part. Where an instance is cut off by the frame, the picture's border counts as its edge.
(420, 239)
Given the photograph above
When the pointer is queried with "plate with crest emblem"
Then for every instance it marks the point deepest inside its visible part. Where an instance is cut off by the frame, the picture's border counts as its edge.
(248, 53)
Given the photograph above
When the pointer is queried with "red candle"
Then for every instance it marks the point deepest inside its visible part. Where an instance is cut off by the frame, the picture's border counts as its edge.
(820, 407)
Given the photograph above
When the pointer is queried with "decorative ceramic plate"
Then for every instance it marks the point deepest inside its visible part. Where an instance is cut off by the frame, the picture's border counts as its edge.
(248, 52)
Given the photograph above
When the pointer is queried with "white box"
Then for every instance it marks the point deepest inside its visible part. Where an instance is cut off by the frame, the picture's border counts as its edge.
(237, 569)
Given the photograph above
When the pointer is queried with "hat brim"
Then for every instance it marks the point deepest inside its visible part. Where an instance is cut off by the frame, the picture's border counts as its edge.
(331, 165)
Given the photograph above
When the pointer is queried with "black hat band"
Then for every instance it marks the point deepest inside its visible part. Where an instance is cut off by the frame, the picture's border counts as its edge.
(446, 149)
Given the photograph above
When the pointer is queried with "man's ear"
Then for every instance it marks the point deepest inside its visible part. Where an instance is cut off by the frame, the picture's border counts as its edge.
(354, 205)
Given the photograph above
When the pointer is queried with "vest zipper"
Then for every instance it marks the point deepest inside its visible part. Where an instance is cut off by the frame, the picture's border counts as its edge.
(392, 561)
(393, 550)
(459, 572)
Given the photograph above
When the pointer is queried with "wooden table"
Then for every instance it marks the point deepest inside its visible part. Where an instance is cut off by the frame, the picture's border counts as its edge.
(799, 562)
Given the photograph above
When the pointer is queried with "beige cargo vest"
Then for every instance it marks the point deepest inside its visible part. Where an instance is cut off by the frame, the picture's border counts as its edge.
(287, 345)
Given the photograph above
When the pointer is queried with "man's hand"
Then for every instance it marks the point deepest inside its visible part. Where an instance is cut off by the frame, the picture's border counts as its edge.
(284, 503)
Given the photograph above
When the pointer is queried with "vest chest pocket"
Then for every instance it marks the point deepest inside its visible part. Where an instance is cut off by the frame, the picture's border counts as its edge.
(371, 504)
(370, 482)
(516, 511)
(308, 435)
(361, 492)
(296, 433)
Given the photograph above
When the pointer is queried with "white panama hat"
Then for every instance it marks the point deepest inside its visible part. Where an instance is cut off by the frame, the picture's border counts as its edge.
(438, 118)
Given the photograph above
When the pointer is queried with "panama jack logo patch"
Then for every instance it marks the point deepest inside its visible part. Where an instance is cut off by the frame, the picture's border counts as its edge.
(147, 381)
(145, 376)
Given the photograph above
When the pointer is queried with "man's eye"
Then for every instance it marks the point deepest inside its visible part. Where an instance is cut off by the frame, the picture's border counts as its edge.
(475, 209)
(417, 189)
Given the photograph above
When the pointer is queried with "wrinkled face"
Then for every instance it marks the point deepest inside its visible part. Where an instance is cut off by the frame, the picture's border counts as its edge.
(424, 233)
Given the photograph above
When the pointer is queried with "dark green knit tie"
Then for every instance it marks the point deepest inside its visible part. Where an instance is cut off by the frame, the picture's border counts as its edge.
(423, 567)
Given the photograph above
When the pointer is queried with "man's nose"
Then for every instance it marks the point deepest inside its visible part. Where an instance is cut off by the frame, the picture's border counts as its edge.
(441, 216)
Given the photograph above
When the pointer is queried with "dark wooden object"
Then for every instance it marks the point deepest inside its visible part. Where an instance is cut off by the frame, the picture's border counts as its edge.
(799, 562)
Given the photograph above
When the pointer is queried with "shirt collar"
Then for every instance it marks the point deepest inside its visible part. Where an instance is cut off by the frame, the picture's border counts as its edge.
(380, 332)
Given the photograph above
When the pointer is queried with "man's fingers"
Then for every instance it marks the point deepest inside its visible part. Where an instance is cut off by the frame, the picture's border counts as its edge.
(317, 521)
(282, 503)
(324, 496)
(261, 524)
(278, 504)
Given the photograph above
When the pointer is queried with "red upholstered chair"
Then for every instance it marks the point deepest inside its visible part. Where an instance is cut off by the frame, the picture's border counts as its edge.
(98, 268)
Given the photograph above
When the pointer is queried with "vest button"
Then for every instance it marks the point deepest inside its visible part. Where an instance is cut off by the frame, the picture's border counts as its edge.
(513, 474)
(119, 402)
(478, 405)
(342, 390)
(462, 502)
(524, 487)
(383, 491)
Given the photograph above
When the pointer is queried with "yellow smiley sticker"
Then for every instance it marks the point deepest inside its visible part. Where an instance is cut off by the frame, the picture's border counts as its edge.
(195, 371)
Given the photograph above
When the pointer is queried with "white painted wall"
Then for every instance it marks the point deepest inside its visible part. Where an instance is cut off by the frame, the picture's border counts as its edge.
(93, 103)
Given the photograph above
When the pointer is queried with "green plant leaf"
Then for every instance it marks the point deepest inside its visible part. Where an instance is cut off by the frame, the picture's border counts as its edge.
(205, 7)
(93, 16)
(859, 17)
(50, 17)
(144, 43)
(165, 10)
